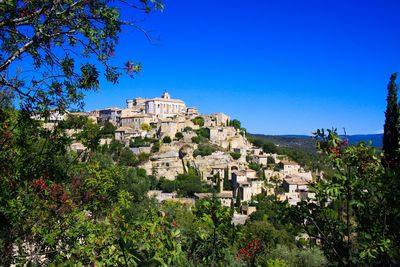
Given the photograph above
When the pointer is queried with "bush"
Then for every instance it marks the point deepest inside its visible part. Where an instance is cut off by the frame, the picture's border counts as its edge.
(73, 122)
(167, 140)
(204, 150)
(155, 147)
(236, 123)
(145, 127)
(167, 186)
(188, 129)
(255, 166)
(178, 135)
(312, 257)
(108, 129)
(270, 160)
(203, 132)
(198, 121)
(127, 158)
(139, 142)
(236, 155)
(188, 184)
(143, 157)
(196, 139)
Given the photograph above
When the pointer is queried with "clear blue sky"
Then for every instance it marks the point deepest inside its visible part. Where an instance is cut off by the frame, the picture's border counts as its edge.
(280, 67)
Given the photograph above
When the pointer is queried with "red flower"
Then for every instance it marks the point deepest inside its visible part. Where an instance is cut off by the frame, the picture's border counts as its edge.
(40, 184)
(249, 250)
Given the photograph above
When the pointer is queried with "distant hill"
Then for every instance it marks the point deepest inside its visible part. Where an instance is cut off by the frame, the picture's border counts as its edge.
(307, 143)
(376, 139)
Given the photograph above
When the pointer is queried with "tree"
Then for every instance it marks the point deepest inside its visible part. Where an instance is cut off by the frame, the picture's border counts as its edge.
(353, 210)
(145, 127)
(50, 36)
(48, 198)
(178, 135)
(236, 124)
(204, 150)
(235, 155)
(127, 158)
(198, 121)
(167, 140)
(108, 129)
(391, 134)
(188, 184)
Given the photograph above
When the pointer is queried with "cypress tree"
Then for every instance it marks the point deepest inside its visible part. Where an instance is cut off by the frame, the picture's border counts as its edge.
(391, 128)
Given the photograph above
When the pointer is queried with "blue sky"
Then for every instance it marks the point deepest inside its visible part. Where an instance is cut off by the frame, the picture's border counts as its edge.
(280, 67)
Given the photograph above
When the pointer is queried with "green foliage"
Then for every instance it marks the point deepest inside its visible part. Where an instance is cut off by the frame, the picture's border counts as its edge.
(391, 135)
(306, 158)
(197, 139)
(90, 135)
(73, 122)
(276, 263)
(185, 184)
(145, 127)
(227, 185)
(143, 157)
(236, 124)
(142, 142)
(204, 150)
(213, 236)
(188, 184)
(188, 129)
(178, 135)
(127, 158)
(203, 133)
(351, 212)
(166, 140)
(166, 185)
(198, 121)
(235, 155)
(270, 160)
(45, 33)
(108, 129)
(312, 257)
(256, 167)
(156, 147)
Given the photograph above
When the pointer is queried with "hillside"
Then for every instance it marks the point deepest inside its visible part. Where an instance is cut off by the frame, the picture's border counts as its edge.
(306, 143)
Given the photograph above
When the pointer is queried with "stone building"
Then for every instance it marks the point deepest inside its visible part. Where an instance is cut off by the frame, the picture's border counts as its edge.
(112, 115)
(165, 106)
(136, 120)
(289, 167)
(221, 119)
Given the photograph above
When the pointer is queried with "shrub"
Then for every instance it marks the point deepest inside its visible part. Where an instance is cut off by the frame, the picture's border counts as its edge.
(204, 150)
(143, 157)
(139, 142)
(108, 129)
(235, 123)
(145, 127)
(127, 158)
(167, 140)
(188, 129)
(167, 186)
(196, 139)
(270, 160)
(155, 147)
(236, 155)
(203, 132)
(198, 121)
(179, 135)
(255, 166)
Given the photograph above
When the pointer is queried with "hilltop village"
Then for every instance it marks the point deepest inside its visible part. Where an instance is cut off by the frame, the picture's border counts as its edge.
(174, 139)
